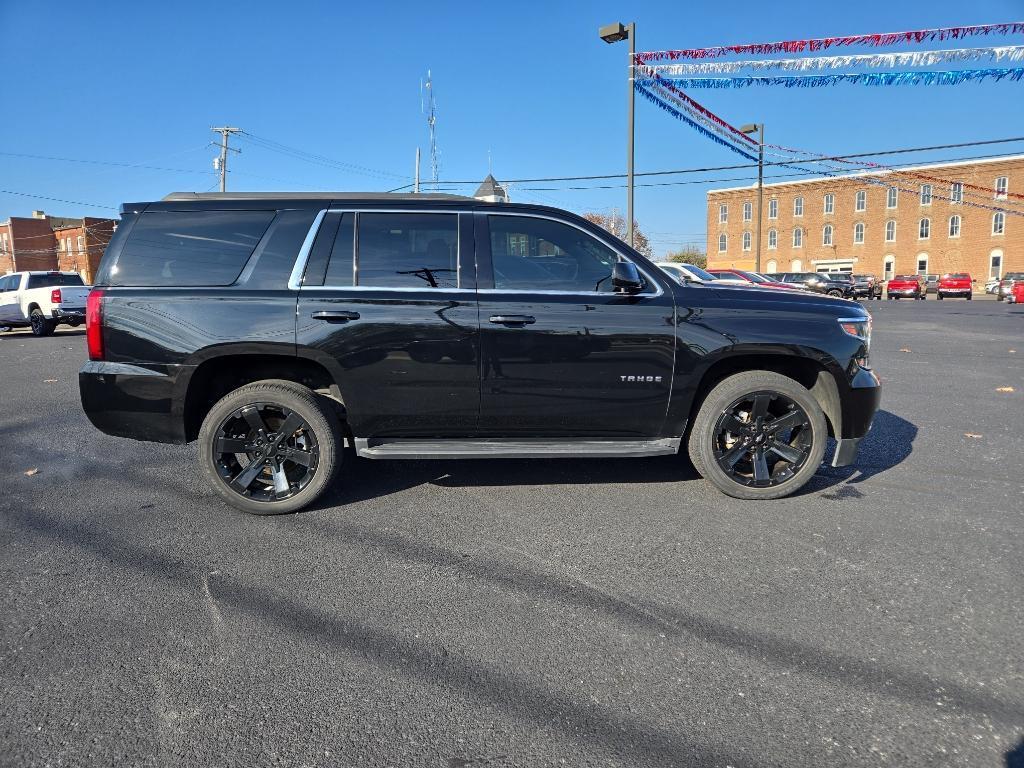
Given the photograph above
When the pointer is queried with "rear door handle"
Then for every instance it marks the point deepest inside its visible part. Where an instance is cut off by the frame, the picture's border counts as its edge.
(335, 316)
(513, 319)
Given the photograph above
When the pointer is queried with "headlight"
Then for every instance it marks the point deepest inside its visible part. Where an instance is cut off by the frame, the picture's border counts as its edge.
(859, 328)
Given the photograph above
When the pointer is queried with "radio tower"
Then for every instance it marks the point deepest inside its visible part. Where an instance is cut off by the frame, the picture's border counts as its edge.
(430, 110)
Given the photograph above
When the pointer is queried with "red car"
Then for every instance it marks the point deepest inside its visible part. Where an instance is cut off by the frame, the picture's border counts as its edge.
(1016, 296)
(907, 287)
(751, 277)
(954, 284)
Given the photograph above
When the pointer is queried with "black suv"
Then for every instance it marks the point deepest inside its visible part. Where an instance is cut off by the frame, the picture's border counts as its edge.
(274, 327)
(820, 282)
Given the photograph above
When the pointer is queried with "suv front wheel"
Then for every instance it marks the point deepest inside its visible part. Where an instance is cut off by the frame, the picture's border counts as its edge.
(270, 447)
(758, 435)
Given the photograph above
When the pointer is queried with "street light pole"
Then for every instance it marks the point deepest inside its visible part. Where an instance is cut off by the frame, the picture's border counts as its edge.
(613, 33)
(748, 129)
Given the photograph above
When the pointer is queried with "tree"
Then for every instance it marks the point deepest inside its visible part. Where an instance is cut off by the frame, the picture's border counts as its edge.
(690, 254)
(615, 223)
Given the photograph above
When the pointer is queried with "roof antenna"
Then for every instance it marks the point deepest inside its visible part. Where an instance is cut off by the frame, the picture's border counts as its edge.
(430, 109)
(490, 170)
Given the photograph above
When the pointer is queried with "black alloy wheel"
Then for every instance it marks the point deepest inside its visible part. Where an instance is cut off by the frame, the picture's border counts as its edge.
(266, 452)
(762, 439)
(40, 325)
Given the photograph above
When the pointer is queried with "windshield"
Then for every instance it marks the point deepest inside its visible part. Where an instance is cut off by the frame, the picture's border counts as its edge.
(698, 272)
(956, 276)
(905, 277)
(752, 276)
(53, 279)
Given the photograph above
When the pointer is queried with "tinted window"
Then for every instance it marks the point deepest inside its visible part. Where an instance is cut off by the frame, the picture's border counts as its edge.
(698, 272)
(340, 271)
(6, 284)
(404, 250)
(53, 281)
(539, 254)
(189, 248)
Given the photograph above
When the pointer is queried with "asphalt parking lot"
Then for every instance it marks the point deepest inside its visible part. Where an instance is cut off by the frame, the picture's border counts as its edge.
(522, 613)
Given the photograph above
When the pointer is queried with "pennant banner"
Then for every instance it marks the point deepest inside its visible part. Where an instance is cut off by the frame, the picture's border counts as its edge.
(658, 102)
(909, 59)
(882, 40)
(951, 77)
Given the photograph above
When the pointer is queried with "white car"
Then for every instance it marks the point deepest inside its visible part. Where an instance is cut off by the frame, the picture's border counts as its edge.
(992, 285)
(42, 300)
(683, 272)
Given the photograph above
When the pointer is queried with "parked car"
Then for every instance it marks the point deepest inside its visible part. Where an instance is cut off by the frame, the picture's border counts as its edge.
(42, 300)
(931, 283)
(992, 285)
(906, 287)
(955, 284)
(683, 272)
(752, 278)
(867, 287)
(819, 282)
(273, 327)
(1005, 285)
(1016, 296)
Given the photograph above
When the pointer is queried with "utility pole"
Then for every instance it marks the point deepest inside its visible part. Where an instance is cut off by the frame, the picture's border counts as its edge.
(759, 129)
(222, 163)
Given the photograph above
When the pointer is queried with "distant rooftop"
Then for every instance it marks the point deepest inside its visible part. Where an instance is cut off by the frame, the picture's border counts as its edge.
(390, 196)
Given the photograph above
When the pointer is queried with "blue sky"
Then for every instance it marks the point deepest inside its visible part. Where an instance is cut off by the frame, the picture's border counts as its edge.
(529, 82)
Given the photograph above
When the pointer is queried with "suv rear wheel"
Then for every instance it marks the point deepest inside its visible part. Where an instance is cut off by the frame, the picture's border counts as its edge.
(758, 435)
(270, 447)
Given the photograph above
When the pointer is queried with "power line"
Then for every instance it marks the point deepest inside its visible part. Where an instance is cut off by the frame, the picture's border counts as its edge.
(310, 157)
(103, 162)
(56, 199)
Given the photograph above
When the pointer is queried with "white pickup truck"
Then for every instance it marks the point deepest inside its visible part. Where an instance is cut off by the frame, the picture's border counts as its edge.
(42, 300)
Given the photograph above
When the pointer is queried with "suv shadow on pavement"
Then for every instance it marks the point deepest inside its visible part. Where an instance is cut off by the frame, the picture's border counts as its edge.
(888, 444)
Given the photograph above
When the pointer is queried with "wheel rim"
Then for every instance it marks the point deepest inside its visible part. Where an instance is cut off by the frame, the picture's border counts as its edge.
(762, 439)
(37, 322)
(265, 452)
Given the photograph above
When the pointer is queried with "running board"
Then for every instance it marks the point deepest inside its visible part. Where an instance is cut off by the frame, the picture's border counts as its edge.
(384, 448)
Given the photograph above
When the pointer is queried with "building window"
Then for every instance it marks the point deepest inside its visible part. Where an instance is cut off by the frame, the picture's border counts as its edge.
(830, 203)
(860, 200)
(798, 206)
(998, 223)
(956, 192)
(773, 208)
(926, 194)
(772, 267)
(924, 229)
(954, 226)
(891, 197)
(798, 238)
(746, 241)
(723, 242)
(723, 214)
(888, 267)
(1002, 185)
(858, 233)
(890, 231)
(826, 235)
(995, 264)
(81, 243)
(796, 266)
(748, 211)
(773, 239)
(922, 263)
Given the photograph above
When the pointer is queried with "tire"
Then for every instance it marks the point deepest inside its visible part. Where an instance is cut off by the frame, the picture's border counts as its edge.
(938, 296)
(74, 323)
(970, 296)
(315, 446)
(999, 297)
(727, 399)
(835, 292)
(40, 325)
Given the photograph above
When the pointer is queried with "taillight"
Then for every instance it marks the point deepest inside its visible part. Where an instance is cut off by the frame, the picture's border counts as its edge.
(55, 296)
(94, 324)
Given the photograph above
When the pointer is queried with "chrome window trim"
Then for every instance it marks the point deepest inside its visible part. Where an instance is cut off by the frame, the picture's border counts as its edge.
(295, 279)
(610, 246)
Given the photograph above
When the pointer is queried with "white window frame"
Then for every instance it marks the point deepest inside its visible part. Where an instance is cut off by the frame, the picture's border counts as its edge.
(925, 226)
(826, 235)
(956, 192)
(955, 222)
(858, 233)
(828, 203)
(888, 267)
(772, 266)
(748, 211)
(773, 208)
(796, 265)
(746, 241)
(892, 198)
(723, 243)
(917, 262)
(798, 235)
(723, 213)
(890, 231)
(798, 206)
(81, 243)
(998, 223)
(773, 239)
(1002, 187)
(926, 194)
(860, 201)
(996, 253)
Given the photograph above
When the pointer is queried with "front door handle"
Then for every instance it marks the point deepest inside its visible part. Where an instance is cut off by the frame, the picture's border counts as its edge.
(513, 319)
(335, 316)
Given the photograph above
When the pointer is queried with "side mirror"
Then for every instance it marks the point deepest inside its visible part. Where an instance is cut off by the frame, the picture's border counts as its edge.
(626, 278)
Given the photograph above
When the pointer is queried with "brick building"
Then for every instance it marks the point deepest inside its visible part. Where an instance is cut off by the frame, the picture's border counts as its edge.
(54, 242)
(948, 217)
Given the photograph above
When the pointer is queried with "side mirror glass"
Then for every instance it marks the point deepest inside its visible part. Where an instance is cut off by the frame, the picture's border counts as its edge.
(626, 278)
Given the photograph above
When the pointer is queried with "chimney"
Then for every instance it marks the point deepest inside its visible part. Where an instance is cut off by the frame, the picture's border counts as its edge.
(38, 214)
